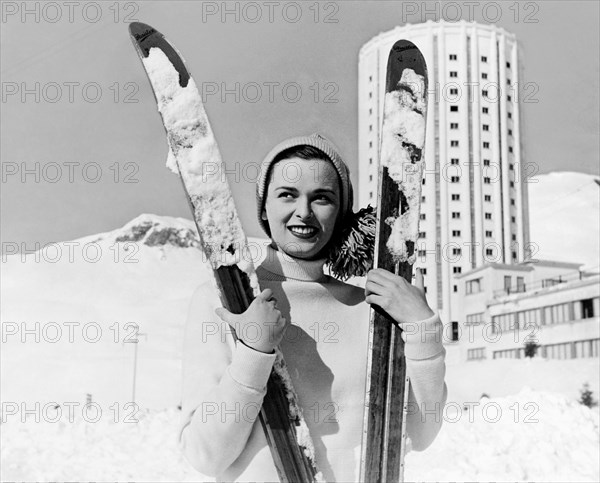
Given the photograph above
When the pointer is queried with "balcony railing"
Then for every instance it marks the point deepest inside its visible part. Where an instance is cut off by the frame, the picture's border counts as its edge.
(538, 284)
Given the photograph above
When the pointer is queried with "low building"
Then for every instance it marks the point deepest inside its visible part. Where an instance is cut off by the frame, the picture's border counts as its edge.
(499, 308)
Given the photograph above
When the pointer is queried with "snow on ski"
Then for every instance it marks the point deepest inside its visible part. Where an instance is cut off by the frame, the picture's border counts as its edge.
(398, 206)
(194, 155)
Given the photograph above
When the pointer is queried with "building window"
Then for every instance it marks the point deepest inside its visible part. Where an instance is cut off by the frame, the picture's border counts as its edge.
(488, 233)
(473, 286)
(557, 314)
(370, 144)
(370, 127)
(486, 145)
(486, 162)
(508, 98)
(422, 199)
(512, 201)
(453, 108)
(486, 127)
(510, 149)
(514, 256)
(508, 81)
(511, 167)
(370, 194)
(476, 354)
(486, 180)
(455, 232)
(454, 179)
(483, 58)
(513, 219)
(370, 111)
(453, 73)
(370, 160)
(456, 251)
(421, 234)
(422, 253)
(370, 78)
(587, 308)
(455, 288)
(489, 252)
(485, 110)
(370, 177)
(475, 319)
(504, 322)
(370, 95)
(456, 270)
(484, 75)
(512, 184)
(454, 161)
(487, 197)
(455, 215)
(510, 115)
(453, 125)
(424, 271)
(452, 56)
(422, 216)
(514, 237)
(507, 283)
(454, 144)
(587, 348)
(423, 182)
(455, 197)
(484, 93)
(508, 65)
(424, 289)
(453, 92)
(488, 216)
(454, 331)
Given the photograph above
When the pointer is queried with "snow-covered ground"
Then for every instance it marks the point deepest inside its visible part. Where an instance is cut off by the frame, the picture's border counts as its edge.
(82, 295)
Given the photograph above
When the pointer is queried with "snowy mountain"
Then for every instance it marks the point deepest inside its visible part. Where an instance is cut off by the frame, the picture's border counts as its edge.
(98, 289)
(564, 213)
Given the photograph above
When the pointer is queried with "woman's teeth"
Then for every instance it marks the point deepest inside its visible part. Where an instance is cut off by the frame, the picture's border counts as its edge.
(303, 230)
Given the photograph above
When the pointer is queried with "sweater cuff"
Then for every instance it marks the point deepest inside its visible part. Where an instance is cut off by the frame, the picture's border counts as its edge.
(423, 339)
(251, 368)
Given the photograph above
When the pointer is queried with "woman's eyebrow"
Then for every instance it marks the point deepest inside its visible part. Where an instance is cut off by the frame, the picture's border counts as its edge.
(288, 188)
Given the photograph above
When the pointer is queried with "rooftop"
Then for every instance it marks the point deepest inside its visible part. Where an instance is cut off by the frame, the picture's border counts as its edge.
(401, 30)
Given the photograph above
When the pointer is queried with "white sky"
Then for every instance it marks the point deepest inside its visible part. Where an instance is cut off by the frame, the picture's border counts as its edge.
(560, 54)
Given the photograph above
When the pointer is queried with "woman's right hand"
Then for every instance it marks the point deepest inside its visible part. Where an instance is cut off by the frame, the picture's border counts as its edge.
(261, 326)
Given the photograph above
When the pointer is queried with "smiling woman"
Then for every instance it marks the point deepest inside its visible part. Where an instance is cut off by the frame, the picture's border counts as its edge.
(320, 324)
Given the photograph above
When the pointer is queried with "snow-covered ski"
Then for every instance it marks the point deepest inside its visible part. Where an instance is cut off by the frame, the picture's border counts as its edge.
(194, 156)
(398, 206)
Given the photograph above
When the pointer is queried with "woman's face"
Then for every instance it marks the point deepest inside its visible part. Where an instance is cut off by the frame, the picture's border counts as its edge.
(303, 201)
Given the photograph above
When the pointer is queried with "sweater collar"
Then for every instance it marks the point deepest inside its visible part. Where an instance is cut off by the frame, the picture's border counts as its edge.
(282, 265)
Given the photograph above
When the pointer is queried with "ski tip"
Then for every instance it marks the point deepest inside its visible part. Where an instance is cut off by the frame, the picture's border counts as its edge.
(140, 31)
(403, 44)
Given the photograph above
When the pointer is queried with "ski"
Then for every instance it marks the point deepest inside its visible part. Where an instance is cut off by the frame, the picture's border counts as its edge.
(398, 205)
(194, 156)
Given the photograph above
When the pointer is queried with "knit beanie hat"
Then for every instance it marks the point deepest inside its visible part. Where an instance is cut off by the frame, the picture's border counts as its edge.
(351, 251)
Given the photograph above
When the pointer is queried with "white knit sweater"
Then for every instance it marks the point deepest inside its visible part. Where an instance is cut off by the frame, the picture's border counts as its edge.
(325, 349)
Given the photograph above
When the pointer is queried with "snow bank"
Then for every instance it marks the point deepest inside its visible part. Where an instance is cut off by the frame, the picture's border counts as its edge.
(531, 436)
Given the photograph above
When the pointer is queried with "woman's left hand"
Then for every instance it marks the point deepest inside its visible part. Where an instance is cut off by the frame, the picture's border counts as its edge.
(404, 302)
